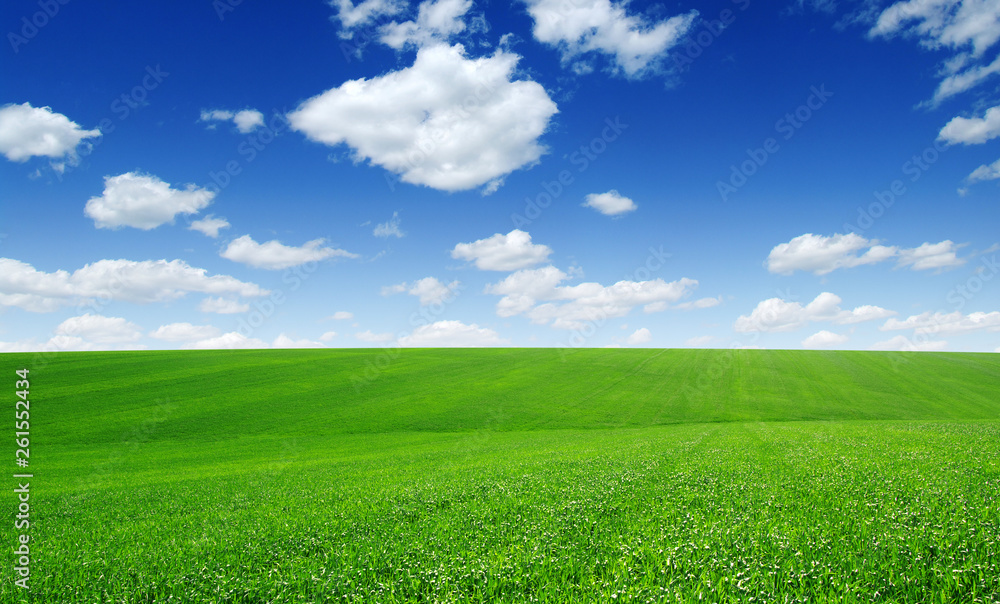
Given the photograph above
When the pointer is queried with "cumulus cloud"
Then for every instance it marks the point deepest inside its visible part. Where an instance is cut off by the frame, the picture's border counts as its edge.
(246, 120)
(143, 201)
(390, 228)
(210, 225)
(985, 172)
(777, 315)
(824, 338)
(452, 334)
(273, 255)
(931, 256)
(946, 323)
(821, 255)
(428, 289)
(902, 343)
(342, 315)
(231, 340)
(634, 44)
(353, 15)
(639, 336)
(184, 332)
(100, 329)
(972, 130)
(27, 131)
(447, 122)
(537, 294)
(437, 21)
(508, 252)
(223, 306)
(862, 314)
(142, 282)
(328, 336)
(611, 203)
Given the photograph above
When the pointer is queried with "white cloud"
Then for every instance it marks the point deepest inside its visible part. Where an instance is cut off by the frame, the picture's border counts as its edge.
(452, 334)
(428, 289)
(328, 336)
(231, 340)
(437, 20)
(210, 225)
(611, 203)
(955, 24)
(699, 340)
(698, 304)
(537, 294)
(27, 131)
(902, 343)
(823, 338)
(508, 252)
(446, 122)
(862, 314)
(967, 27)
(127, 280)
(342, 315)
(974, 130)
(273, 255)
(985, 172)
(355, 15)
(61, 343)
(584, 26)
(931, 256)
(389, 228)
(223, 306)
(369, 336)
(777, 315)
(184, 332)
(639, 336)
(821, 255)
(246, 120)
(100, 329)
(143, 201)
(960, 82)
(283, 341)
(946, 323)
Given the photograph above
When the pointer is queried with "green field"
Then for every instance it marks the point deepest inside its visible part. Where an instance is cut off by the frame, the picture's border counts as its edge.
(510, 475)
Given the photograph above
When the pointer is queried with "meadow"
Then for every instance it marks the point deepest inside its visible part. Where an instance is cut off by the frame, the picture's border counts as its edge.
(512, 475)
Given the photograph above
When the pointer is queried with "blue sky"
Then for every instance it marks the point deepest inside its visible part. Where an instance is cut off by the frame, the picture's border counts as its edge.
(578, 173)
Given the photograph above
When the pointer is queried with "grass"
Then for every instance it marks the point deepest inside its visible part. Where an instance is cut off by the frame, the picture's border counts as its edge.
(513, 475)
